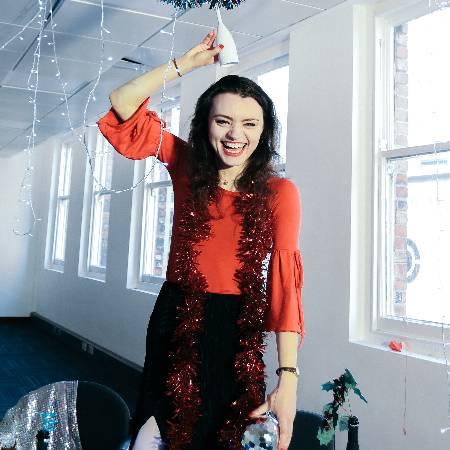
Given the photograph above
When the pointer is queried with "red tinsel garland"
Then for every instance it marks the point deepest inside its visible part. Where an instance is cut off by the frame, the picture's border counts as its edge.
(183, 380)
(254, 244)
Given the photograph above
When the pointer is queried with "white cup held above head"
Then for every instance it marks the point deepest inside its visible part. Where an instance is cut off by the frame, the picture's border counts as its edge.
(229, 55)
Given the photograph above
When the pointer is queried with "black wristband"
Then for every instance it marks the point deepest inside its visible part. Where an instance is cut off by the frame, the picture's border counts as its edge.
(176, 67)
(293, 370)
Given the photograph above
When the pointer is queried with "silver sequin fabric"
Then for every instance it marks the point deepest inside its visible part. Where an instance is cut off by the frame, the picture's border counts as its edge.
(52, 408)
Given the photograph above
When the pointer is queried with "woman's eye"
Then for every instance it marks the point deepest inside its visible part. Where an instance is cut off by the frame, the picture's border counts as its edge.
(221, 121)
(250, 124)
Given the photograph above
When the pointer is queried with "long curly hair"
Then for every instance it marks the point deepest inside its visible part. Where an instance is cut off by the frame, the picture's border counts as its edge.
(203, 162)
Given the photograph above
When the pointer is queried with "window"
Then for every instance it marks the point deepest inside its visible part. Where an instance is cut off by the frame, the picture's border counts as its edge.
(273, 77)
(413, 175)
(276, 84)
(56, 245)
(97, 202)
(154, 206)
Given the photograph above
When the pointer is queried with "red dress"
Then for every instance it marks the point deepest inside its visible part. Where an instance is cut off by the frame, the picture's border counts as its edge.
(138, 137)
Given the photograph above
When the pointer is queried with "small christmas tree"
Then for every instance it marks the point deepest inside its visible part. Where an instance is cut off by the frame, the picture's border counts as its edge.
(341, 387)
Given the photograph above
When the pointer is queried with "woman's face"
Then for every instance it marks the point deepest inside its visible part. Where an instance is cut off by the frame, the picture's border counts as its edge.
(235, 127)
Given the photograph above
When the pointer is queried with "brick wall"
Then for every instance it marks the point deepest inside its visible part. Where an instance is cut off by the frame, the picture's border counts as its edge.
(400, 263)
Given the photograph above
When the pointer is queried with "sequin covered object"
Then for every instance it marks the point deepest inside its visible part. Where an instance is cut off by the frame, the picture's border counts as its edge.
(182, 383)
(262, 436)
(51, 408)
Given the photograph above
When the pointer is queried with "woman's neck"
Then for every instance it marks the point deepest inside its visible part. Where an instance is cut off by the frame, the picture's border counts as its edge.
(228, 176)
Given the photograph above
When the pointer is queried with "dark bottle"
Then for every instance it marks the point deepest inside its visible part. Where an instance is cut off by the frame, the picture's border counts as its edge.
(42, 439)
(353, 424)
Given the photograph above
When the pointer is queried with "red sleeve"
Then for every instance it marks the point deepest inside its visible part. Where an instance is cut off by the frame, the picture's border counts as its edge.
(138, 137)
(285, 272)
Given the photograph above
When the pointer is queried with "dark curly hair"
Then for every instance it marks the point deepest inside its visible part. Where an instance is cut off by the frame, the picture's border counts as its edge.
(203, 162)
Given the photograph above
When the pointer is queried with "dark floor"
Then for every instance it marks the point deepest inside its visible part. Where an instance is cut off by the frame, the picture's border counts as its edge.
(31, 356)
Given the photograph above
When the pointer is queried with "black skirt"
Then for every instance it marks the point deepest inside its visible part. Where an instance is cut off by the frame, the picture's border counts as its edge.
(218, 345)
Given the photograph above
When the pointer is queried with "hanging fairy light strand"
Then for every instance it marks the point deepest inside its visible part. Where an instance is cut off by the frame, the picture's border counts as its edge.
(25, 191)
(19, 34)
(25, 194)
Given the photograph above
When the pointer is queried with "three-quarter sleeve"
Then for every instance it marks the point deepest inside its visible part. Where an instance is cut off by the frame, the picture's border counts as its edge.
(285, 271)
(138, 137)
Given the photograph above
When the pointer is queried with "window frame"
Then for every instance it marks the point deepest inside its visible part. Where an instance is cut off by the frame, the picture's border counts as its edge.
(135, 279)
(424, 338)
(50, 262)
(85, 270)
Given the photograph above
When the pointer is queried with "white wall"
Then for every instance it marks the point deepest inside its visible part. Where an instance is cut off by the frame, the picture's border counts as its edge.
(16, 262)
(320, 162)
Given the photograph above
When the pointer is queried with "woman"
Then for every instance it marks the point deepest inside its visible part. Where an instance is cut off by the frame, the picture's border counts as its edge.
(203, 378)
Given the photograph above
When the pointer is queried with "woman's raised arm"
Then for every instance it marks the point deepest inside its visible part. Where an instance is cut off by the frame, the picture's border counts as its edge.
(126, 99)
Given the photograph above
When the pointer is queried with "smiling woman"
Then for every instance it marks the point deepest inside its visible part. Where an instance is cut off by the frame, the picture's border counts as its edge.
(217, 304)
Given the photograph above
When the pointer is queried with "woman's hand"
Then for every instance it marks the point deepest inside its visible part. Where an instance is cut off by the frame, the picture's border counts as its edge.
(202, 54)
(282, 401)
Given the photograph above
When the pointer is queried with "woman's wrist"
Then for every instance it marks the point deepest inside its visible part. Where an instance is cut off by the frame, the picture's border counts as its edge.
(184, 64)
(287, 379)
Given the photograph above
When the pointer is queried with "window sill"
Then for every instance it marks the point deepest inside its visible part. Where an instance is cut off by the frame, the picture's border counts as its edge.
(414, 348)
(59, 269)
(148, 288)
(96, 276)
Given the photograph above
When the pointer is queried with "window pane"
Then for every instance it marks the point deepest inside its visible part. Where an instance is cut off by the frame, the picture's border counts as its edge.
(421, 86)
(418, 238)
(99, 227)
(103, 164)
(172, 118)
(65, 170)
(62, 204)
(276, 84)
(99, 231)
(59, 244)
(157, 231)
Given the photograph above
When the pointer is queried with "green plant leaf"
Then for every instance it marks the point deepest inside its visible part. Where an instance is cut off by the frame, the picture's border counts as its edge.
(328, 386)
(348, 379)
(325, 437)
(358, 393)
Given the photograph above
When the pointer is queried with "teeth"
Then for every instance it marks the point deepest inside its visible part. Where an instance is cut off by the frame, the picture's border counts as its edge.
(234, 145)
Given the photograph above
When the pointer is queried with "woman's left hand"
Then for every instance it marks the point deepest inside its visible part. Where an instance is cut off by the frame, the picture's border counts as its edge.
(282, 401)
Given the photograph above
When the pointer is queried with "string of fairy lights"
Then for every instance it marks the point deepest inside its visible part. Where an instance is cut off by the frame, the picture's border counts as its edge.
(44, 18)
(45, 15)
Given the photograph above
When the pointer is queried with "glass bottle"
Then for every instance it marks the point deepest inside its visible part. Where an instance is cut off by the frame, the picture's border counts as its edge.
(42, 439)
(353, 425)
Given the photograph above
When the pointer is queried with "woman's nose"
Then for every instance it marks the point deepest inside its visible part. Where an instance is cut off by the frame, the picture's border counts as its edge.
(234, 132)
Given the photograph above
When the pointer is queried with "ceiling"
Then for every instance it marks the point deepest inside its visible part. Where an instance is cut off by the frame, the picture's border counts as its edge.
(135, 39)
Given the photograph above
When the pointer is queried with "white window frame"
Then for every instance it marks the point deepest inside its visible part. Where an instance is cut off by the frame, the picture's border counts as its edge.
(85, 270)
(50, 262)
(367, 324)
(135, 279)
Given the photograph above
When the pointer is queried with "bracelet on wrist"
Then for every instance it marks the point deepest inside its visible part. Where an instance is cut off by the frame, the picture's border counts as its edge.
(293, 370)
(176, 67)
